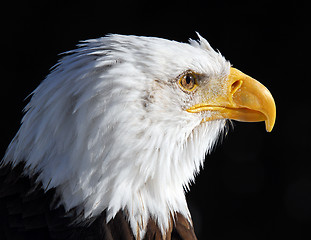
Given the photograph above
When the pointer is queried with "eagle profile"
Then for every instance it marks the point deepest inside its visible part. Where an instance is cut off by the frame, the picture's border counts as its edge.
(113, 136)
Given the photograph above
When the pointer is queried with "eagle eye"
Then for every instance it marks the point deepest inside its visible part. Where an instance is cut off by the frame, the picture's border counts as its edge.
(188, 81)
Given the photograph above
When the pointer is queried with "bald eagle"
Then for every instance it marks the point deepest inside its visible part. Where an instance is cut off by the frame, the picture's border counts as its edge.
(113, 136)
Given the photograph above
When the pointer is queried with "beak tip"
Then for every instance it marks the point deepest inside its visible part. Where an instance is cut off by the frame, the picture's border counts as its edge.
(269, 129)
(270, 124)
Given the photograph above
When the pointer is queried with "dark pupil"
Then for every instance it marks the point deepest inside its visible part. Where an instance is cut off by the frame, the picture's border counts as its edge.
(188, 79)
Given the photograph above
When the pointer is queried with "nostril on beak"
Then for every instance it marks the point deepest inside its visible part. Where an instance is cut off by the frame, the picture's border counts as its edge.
(235, 86)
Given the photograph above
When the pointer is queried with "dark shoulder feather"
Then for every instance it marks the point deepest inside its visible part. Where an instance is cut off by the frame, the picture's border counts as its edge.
(27, 212)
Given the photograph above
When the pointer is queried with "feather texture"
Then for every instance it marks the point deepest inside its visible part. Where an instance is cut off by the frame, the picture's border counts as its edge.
(107, 129)
(26, 213)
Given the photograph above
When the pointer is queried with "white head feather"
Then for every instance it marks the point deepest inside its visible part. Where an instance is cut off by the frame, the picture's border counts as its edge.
(108, 128)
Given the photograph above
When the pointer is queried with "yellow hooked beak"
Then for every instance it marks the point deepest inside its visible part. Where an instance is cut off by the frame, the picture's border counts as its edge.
(245, 100)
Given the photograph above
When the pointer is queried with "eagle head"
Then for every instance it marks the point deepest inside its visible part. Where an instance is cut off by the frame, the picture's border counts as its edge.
(125, 122)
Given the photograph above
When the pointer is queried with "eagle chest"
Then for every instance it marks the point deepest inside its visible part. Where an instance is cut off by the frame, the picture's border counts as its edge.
(27, 212)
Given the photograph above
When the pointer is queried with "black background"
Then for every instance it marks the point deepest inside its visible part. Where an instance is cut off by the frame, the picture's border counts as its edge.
(255, 185)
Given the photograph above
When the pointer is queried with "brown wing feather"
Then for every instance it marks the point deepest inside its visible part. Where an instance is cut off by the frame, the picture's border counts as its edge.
(180, 229)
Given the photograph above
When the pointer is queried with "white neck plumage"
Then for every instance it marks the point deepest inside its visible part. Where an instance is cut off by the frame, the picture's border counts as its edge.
(106, 132)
